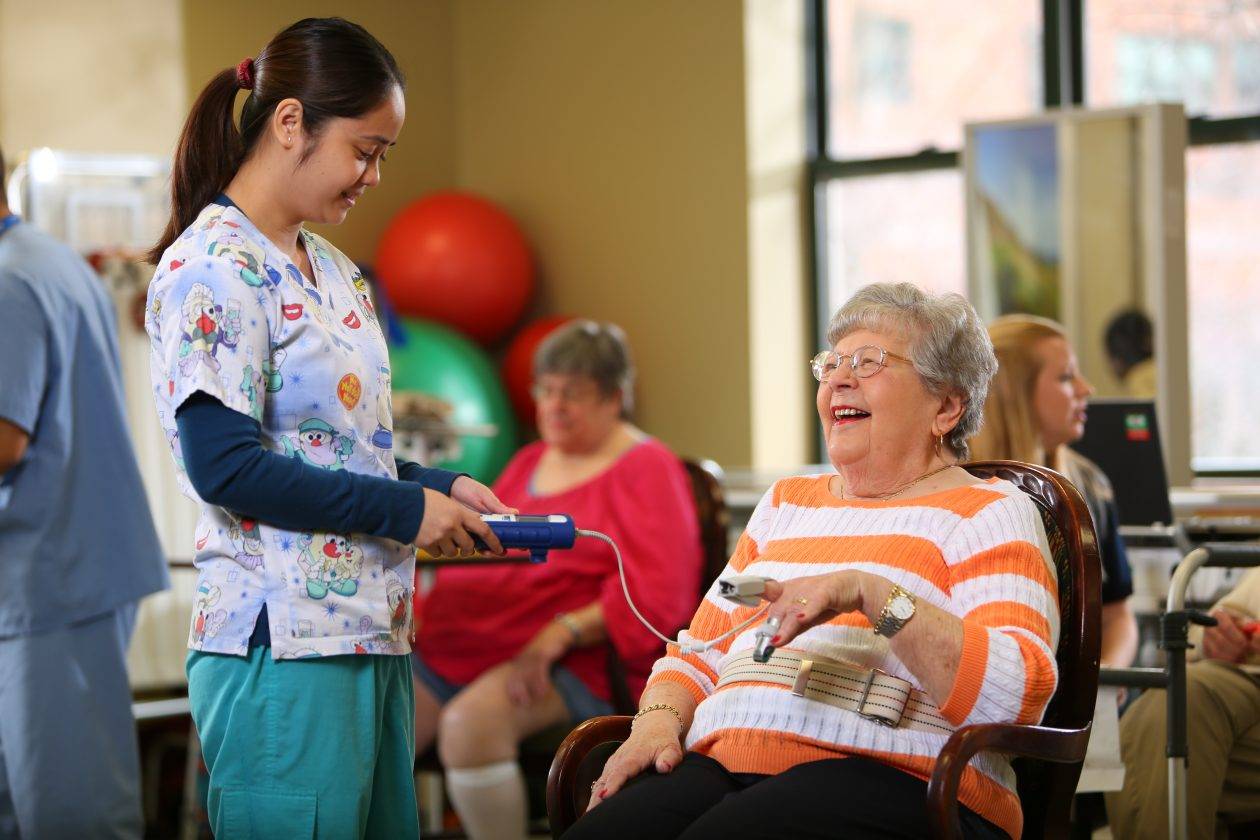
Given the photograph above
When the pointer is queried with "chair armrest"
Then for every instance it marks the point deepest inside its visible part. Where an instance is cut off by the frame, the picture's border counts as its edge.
(567, 790)
(1061, 745)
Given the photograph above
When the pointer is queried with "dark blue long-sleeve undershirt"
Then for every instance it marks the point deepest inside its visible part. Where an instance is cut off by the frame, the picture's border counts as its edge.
(228, 467)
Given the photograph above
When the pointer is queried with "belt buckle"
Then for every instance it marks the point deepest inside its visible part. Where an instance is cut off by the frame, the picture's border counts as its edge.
(802, 677)
(876, 716)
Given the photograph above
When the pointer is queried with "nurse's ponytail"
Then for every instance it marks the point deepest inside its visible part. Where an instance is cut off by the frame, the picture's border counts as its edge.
(335, 68)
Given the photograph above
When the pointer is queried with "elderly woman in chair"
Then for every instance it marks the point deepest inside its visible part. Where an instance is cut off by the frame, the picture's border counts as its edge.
(913, 598)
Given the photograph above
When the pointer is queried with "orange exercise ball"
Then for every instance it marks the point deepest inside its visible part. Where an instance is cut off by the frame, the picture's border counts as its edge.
(518, 364)
(460, 260)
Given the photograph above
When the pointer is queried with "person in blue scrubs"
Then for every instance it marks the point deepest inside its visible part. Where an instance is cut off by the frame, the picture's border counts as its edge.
(77, 546)
(271, 380)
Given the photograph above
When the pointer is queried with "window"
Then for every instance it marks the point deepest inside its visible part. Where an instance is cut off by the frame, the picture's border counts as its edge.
(1155, 68)
(882, 53)
(895, 228)
(896, 81)
(1200, 52)
(907, 75)
(1223, 276)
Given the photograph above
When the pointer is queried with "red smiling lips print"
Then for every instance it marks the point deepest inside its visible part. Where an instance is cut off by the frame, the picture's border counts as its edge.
(352, 320)
(292, 311)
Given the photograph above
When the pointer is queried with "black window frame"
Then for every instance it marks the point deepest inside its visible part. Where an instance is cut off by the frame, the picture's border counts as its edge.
(1063, 69)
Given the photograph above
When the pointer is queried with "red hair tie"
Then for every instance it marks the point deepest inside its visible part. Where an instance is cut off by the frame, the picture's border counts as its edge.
(245, 74)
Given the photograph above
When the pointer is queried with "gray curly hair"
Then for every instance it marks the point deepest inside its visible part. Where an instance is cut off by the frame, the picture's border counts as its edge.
(949, 344)
(588, 348)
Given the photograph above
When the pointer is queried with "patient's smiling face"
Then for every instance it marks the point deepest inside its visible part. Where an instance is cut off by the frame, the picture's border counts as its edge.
(881, 423)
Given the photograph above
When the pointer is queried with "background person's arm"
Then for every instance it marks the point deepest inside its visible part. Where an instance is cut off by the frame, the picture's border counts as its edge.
(13, 442)
(24, 340)
(1119, 635)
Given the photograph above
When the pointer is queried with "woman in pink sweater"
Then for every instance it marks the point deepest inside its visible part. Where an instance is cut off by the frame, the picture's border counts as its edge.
(504, 651)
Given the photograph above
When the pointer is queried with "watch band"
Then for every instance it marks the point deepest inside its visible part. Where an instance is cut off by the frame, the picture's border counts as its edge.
(888, 625)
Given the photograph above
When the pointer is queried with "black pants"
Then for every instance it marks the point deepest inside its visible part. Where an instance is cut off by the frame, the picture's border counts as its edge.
(838, 797)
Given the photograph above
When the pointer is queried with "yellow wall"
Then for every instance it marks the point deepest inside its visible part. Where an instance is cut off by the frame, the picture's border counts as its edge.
(83, 75)
(418, 33)
(614, 132)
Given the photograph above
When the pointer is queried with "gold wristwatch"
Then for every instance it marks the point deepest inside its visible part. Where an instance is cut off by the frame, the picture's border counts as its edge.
(898, 609)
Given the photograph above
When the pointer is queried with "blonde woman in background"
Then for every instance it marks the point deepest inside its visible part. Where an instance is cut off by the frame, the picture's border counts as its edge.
(1035, 408)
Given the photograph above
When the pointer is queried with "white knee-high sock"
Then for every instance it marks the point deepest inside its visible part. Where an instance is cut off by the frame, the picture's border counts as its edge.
(490, 799)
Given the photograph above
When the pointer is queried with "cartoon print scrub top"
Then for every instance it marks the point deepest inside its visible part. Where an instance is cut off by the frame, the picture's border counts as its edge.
(230, 315)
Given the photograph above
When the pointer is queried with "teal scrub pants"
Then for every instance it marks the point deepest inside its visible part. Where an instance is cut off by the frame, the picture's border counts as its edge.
(306, 748)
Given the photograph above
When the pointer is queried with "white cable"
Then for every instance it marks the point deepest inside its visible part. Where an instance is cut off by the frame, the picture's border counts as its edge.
(685, 647)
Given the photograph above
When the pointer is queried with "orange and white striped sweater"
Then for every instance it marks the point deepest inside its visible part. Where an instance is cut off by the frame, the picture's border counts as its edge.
(979, 552)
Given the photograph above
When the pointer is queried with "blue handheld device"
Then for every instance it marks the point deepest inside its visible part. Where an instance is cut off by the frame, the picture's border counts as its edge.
(536, 534)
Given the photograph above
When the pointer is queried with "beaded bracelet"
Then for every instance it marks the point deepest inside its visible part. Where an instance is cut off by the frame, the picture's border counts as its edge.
(657, 707)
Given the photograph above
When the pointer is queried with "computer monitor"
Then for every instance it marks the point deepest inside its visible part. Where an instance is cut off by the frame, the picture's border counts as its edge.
(1122, 438)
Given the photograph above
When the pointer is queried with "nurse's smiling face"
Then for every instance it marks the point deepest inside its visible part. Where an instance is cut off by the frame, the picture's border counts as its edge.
(346, 160)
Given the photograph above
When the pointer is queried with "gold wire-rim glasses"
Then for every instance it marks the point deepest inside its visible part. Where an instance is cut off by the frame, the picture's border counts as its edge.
(863, 366)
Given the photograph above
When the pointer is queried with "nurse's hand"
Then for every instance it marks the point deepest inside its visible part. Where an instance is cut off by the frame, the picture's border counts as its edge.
(448, 528)
(478, 496)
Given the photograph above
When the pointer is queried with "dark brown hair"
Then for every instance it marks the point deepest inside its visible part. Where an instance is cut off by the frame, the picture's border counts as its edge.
(335, 68)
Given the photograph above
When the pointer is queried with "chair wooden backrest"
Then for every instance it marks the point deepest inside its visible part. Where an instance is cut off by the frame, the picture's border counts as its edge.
(713, 516)
(1051, 752)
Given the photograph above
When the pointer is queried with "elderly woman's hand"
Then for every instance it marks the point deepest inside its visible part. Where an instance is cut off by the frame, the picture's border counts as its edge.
(806, 602)
(654, 742)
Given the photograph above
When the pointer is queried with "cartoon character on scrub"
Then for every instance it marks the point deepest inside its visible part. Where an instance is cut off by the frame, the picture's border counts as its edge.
(319, 445)
(207, 623)
(205, 327)
(331, 562)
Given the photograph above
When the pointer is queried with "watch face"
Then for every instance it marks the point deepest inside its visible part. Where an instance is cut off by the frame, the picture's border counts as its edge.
(901, 608)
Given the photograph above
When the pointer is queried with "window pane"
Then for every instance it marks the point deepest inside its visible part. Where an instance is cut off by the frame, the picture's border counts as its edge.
(1223, 265)
(1203, 53)
(906, 74)
(895, 228)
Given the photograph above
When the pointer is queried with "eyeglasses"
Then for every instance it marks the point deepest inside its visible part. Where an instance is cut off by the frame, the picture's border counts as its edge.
(565, 393)
(864, 362)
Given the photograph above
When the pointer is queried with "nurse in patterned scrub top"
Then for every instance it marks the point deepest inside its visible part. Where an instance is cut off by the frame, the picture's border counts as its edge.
(271, 378)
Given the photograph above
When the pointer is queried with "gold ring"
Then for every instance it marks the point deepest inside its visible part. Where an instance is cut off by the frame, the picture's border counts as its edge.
(804, 602)
(594, 784)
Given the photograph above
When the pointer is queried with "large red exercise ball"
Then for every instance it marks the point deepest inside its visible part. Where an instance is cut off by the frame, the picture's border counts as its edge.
(518, 364)
(460, 260)
(439, 362)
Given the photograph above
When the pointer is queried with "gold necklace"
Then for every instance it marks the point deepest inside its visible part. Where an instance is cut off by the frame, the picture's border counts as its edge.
(886, 496)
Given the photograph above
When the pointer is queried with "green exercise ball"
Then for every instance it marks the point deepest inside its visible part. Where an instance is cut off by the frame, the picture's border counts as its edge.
(439, 362)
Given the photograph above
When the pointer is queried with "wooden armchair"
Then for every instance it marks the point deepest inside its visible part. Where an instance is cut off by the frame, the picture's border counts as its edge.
(1049, 756)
